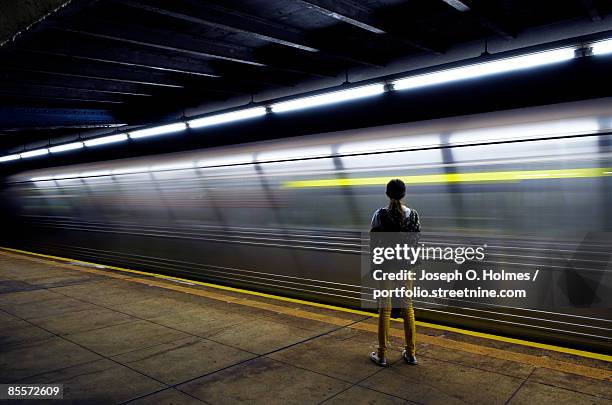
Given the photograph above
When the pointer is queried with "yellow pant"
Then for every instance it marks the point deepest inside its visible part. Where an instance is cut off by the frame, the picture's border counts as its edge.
(383, 330)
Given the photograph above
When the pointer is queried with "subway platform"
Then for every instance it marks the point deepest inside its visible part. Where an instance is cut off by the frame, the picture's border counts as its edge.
(121, 336)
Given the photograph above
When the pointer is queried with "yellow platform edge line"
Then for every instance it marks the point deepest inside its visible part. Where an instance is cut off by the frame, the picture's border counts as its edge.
(483, 335)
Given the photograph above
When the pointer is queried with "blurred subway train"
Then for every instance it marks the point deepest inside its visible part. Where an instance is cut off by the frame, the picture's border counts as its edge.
(289, 216)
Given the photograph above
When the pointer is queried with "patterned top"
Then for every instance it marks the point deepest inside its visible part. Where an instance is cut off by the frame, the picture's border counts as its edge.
(386, 221)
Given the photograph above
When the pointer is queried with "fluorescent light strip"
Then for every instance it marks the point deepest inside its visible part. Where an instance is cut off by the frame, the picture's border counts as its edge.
(9, 158)
(329, 98)
(602, 47)
(68, 146)
(485, 68)
(161, 130)
(35, 152)
(227, 117)
(106, 139)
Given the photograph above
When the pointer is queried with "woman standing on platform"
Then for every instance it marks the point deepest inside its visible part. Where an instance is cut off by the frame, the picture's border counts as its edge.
(396, 217)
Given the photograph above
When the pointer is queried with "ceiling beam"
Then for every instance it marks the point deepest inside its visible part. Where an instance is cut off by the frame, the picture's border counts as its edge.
(345, 11)
(99, 86)
(355, 14)
(67, 89)
(248, 80)
(171, 41)
(482, 17)
(96, 51)
(56, 91)
(100, 68)
(17, 17)
(496, 27)
(267, 76)
(85, 69)
(20, 118)
(59, 67)
(98, 76)
(457, 5)
(118, 62)
(591, 8)
(166, 40)
(134, 77)
(232, 21)
(7, 95)
(22, 20)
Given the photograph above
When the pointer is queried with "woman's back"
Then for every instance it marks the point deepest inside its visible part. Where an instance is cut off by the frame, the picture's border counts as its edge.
(387, 219)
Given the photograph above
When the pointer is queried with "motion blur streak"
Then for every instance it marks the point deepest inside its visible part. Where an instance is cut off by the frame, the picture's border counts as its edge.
(457, 178)
(286, 216)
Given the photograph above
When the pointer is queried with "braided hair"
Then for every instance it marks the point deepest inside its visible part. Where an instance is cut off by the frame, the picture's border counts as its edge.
(396, 190)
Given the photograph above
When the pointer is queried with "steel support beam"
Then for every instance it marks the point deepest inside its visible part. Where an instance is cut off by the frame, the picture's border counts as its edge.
(171, 41)
(97, 50)
(458, 5)
(590, 7)
(56, 66)
(345, 11)
(92, 85)
(482, 17)
(46, 100)
(230, 20)
(166, 41)
(355, 14)
(20, 89)
(35, 117)
(16, 17)
(234, 21)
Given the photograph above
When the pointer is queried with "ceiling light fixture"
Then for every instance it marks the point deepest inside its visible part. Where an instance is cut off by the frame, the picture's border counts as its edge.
(65, 147)
(602, 47)
(160, 130)
(485, 68)
(9, 158)
(106, 140)
(227, 117)
(35, 152)
(328, 98)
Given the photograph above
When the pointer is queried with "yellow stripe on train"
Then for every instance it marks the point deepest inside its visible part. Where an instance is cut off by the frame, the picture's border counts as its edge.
(482, 177)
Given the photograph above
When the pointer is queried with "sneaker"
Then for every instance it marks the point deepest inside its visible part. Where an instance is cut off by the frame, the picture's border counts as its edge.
(380, 361)
(409, 358)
